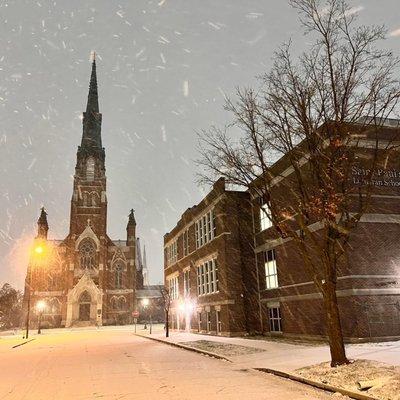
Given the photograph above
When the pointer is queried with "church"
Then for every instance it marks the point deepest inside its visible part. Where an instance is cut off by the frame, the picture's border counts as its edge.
(87, 278)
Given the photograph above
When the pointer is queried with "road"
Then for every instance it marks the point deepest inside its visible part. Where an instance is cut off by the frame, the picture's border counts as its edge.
(115, 364)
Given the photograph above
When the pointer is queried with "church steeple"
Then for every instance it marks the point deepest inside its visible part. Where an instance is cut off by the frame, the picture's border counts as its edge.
(93, 97)
(43, 226)
(91, 138)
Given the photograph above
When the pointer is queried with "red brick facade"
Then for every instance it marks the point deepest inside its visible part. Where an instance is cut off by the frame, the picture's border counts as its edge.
(209, 280)
(368, 288)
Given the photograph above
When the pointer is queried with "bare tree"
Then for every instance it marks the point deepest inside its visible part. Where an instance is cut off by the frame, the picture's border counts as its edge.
(167, 306)
(310, 112)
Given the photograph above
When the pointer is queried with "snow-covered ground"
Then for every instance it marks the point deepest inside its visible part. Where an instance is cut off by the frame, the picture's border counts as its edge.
(286, 356)
(384, 378)
(113, 364)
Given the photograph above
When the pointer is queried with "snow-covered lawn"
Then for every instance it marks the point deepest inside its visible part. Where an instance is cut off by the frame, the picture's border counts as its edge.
(385, 378)
(224, 349)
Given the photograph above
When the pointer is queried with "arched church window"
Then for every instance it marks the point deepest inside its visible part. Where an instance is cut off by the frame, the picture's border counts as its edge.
(85, 199)
(90, 169)
(87, 254)
(114, 303)
(94, 199)
(54, 306)
(121, 303)
(119, 268)
(85, 297)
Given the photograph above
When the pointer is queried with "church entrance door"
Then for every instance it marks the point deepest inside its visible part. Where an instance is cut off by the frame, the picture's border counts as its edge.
(84, 306)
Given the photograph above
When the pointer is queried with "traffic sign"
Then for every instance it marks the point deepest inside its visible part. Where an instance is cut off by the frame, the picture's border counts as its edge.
(135, 314)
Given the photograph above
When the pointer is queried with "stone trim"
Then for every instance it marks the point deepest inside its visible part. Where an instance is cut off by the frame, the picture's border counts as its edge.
(50, 293)
(119, 291)
(208, 257)
(217, 303)
(366, 218)
(339, 293)
(339, 278)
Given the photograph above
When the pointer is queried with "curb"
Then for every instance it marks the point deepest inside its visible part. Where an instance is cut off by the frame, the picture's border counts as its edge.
(318, 385)
(182, 346)
(21, 344)
(281, 374)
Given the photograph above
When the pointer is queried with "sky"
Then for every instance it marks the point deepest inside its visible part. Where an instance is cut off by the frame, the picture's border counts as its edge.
(163, 68)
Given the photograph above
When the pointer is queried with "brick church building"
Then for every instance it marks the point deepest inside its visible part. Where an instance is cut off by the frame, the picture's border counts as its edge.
(87, 278)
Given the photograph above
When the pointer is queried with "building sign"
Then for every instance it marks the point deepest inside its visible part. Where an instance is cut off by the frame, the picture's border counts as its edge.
(379, 177)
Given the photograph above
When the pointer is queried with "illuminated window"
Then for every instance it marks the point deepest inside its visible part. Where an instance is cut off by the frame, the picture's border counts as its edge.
(265, 216)
(87, 254)
(271, 274)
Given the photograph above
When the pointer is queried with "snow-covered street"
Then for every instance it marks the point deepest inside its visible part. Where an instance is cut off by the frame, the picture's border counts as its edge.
(115, 364)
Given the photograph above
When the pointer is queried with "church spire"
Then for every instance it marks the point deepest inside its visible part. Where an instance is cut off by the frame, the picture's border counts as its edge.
(91, 138)
(93, 97)
(43, 226)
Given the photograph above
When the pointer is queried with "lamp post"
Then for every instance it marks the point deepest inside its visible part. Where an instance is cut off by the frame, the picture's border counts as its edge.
(40, 306)
(38, 252)
(187, 308)
(145, 304)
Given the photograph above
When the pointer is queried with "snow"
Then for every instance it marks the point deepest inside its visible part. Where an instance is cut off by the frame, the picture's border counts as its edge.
(112, 363)
(347, 377)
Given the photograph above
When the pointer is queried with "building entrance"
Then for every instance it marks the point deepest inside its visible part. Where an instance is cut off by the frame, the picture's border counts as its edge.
(84, 306)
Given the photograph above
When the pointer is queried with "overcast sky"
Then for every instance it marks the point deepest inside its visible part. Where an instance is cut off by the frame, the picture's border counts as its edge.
(163, 69)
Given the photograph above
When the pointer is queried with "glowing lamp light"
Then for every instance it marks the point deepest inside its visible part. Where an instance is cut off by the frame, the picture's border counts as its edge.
(40, 305)
(39, 249)
(145, 302)
(187, 306)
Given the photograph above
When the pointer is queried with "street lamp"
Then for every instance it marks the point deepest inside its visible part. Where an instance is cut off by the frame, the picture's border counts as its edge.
(145, 304)
(187, 308)
(40, 307)
(38, 252)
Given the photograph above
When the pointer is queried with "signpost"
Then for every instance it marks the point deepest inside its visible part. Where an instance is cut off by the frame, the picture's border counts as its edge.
(135, 315)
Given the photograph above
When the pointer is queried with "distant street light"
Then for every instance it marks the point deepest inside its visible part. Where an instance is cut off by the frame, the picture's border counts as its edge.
(145, 304)
(38, 253)
(40, 307)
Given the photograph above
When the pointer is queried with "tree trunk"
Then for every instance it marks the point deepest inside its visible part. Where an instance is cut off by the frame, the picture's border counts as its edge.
(335, 334)
(166, 324)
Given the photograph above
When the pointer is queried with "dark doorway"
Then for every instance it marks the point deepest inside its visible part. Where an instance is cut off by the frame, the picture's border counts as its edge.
(84, 306)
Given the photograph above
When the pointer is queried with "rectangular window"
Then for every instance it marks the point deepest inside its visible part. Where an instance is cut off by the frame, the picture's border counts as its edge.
(207, 277)
(265, 215)
(172, 252)
(271, 273)
(173, 284)
(186, 283)
(275, 320)
(205, 229)
(219, 322)
(186, 242)
(199, 320)
(208, 321)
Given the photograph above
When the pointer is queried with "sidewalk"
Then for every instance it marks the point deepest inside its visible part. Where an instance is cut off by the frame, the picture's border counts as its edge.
(252, 353)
